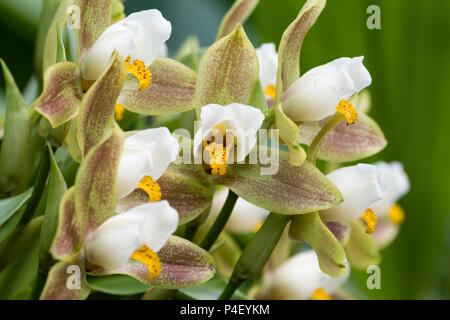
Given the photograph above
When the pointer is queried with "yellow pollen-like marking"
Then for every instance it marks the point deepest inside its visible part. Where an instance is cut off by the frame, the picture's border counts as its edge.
(151, 260)
(140, 71)
(270, 91)
(151, 187)
(258, 226)
(218, 159)
(120, 110)
(397, 214)
(371, 220)
(348, 111)
(320, 294)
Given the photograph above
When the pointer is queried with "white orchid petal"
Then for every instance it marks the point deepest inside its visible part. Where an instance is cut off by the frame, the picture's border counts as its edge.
(299, 277)
(141, 36)
(268, 64)
(117, 238)
(397, 185)
(316, 94)
(160, 222)
(245, 216)
(360, 186)
(146, 153)
(244, 120)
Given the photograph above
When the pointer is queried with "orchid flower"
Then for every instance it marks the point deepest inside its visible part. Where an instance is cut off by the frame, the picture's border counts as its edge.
(323, 90)
(387, 209)
(245, 217)
(361, 186)
(135, 234)
(146, 156)
(139, 38)
(224, 129)
(268, 66)
(300, 278)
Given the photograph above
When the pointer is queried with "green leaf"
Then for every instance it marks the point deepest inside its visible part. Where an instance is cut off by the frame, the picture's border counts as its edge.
(238, 13)
(99, 104)
(189, 196)
(228, 71)
(62, 274)
(345, 143)
(310, 228)
(9, 206)
(95, 17)
(184, 264)
(62, 94)
(362, 249)
(56, 189)
(21, 273)
(117, 284)
(171, 90)
(60, 50)
(291, 44)
(290, 190)
(211, 290)
(15, 168)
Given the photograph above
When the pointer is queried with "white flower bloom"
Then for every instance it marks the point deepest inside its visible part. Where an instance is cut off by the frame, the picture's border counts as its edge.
(300, 278)
(361, 185)
(150, 224)
(245, 217)
(316, 94)
(141, 36)
(146, 153)
(163, 51)
(241, 120)
(268, 65)
(397, 183)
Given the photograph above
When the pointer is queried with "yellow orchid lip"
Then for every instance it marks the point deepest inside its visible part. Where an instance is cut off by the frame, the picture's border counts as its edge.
(320, 294)
(140, 71)
(151, 187)
(218, 151)
(270, 91)
(348, 111)
(371, 220)
(396, 214)
(151, 260)
(120, 110)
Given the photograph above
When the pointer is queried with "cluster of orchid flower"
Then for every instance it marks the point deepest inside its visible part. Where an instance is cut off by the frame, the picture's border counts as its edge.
(136, 209)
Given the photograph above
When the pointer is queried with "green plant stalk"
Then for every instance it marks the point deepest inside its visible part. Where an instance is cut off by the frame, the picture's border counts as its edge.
(220, 222)
(314, 147)
(256, 253)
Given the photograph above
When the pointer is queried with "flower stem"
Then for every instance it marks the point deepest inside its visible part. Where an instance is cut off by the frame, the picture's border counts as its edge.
(220, 222)
(256, 253)
(330, 125)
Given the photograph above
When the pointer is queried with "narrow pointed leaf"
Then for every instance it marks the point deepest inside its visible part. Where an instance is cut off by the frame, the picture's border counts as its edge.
(171, 90)
(362, 249)
(184, 192)
(291, 44)
(62, 281)
(9, 206)
(346, 143)
(291, 190)
(310, 228)
(99, 103)
(56, 189)
(14, 154)
(95, 17)
(228, 71)
(117, 284)
(61, 98)
(184, 264)
(238, 13)
(60, 50)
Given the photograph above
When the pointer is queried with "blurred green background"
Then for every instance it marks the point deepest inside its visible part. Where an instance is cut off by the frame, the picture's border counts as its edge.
(409, 59)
